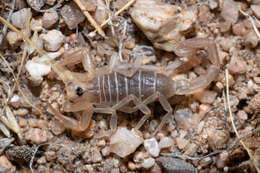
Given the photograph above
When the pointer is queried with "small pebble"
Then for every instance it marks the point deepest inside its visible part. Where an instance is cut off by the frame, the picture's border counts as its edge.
(256, 10)
(101, 143)
(205, 162)
(165, 142)
(229, 11)
(105, 151)
(49, 19)
(6, 165)
(237, 65)
(22, 122)
(36, 136)
(151, 145)
(41, 160)
(181, 142)
(56, 127)
(50, 155)
(251, 39)
(21, 112)
(52, 40)
(139, 157)
(171, 165)
(206, 96)
(19, 18)
(124, 142)
(156, 169)
(213, 4)
(123, 168)
(72, 15)
(148, 163)
(96, 157)
(50, 2)
(13, 38)
(36, 24)
(37, 69)
(131, 166)
(89, 168)
(239, 29)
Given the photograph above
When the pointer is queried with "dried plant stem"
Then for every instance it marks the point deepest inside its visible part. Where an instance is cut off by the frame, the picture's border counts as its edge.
(117, 13)
(232, 121)
(8, 19)
(17, 83)
(252, 22)
(90, 18)
(23, 56)
(64, 74)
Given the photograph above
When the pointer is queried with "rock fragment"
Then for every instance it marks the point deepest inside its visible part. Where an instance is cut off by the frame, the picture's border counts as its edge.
(36, 136)
(206, 96)
(13, 38)
(72, 15)
(52, 40)
(19, 18)
(252, 39)
(56, 127)
(37, 69)
(237, 65)
(165, 142)
(151, 145)
(124, 142)
(229, 11)
(148, 163)
(49, 19)
(6, 165)
(162, 23)
(256, 10)
(96, 155)
(36, 24)
(172, 165)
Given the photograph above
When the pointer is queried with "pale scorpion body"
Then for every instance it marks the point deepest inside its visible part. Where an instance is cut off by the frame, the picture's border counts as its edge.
(112, 88)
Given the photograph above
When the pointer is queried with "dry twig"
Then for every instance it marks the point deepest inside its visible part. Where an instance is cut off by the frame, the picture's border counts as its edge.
(252, 20)
(61, 71)
(8, 19)
(45, 10)
(232, 121)
(90, 18)
(131, 2)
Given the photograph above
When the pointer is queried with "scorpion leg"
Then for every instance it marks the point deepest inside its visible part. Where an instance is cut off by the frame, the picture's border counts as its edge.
(163, 101)
(80, 55)
(188, 48)
(166, 106)
(76, 125)
(113, 122)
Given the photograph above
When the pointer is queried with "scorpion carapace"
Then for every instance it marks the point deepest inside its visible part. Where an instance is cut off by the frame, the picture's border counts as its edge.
(110, 88)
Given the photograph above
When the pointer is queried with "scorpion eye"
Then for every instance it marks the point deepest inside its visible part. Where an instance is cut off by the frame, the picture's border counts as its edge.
(79, 91)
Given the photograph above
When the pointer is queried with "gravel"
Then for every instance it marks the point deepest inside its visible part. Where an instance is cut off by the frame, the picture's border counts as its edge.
(151, 145)
(124, 142)
(155, 28)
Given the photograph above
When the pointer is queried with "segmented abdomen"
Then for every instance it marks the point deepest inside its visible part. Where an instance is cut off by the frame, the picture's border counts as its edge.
(114, 87)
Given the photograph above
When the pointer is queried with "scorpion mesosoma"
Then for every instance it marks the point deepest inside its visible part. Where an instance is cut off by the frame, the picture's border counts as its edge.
(113, 87)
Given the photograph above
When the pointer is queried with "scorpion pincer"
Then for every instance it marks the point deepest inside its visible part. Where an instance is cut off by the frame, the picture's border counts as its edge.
(109, 89)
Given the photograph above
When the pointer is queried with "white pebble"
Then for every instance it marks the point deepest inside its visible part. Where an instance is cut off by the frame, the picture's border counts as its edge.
(52, 40)
(37, 69)
(20, 18)
(124, 142)
(49, 19)
(13, 38)
(148, 163)
(165, 142)
(151, 145)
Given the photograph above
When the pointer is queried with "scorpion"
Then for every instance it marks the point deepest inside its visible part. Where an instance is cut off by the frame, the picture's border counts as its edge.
(113, 87)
